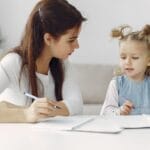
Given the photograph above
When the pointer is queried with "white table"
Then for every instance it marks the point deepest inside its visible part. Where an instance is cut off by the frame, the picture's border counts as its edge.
(28, 137)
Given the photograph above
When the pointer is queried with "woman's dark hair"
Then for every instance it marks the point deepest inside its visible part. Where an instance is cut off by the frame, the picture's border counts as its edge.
(48, 16)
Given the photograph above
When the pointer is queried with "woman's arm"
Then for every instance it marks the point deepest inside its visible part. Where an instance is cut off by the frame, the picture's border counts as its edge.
(39, 109)
(11, 113)
(61, 108)
(110, 106)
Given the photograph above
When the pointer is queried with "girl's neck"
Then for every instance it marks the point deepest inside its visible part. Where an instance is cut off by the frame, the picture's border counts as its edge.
(137, 78)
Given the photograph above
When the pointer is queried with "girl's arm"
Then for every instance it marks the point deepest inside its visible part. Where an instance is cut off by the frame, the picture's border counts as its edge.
(110, 106)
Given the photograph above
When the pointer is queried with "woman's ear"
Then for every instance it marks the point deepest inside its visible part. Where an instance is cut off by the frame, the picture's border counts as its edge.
(47, 39)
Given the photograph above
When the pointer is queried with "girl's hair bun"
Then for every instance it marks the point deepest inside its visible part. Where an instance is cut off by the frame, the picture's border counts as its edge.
(146, 30)
(121, 31)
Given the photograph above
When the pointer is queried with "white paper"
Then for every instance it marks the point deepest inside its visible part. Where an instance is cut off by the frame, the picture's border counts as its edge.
(133, 121)
(100, 125)
(63, 123)
(95, 124)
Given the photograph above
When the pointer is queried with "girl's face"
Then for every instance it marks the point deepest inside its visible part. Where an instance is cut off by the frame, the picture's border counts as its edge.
(65, 45)
(134, 59)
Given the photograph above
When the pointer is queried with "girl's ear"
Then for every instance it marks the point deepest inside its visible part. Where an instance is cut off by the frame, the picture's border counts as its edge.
(47, 39)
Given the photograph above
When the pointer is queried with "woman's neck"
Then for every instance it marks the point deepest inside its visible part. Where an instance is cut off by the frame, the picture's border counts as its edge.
(42, 63)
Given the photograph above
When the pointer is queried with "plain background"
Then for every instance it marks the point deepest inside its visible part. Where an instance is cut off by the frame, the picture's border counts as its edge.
(96, 46)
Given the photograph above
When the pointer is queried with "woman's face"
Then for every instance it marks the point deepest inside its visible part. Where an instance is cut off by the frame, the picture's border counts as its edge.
(65, 45)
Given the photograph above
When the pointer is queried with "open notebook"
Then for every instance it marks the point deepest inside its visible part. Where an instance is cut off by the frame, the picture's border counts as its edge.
(133, 121)
(99, 125)
(115, 124)
(63, 123)
(95, 124)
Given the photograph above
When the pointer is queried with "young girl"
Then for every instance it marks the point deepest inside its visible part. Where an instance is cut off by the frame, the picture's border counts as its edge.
(37, 66)
(129, 93)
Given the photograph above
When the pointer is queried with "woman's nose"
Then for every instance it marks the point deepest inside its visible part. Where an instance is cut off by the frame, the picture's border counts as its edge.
(76, 45)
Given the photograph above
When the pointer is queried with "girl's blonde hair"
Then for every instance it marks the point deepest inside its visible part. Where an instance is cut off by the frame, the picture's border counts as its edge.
(125, 32)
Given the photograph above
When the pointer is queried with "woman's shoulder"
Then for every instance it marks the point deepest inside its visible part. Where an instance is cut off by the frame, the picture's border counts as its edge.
(11, 56)
(11, 59)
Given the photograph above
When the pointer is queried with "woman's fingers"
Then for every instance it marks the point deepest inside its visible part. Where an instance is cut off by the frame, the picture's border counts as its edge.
(44, 103)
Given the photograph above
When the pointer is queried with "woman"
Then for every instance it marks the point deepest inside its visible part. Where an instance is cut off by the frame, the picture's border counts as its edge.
(38, 66)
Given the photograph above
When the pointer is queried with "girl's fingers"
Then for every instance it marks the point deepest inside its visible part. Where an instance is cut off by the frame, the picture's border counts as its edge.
(129, 104)
(125, 110)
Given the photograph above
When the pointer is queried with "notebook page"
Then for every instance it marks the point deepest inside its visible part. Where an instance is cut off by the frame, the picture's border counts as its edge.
(62, 123)
(100, 125)
(133, 121)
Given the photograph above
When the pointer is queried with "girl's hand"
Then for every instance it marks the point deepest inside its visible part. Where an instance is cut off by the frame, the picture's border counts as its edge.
(40, 108)
(126, 108)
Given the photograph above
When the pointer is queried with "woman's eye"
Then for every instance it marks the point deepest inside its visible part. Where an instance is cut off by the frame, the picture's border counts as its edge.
(71, 41)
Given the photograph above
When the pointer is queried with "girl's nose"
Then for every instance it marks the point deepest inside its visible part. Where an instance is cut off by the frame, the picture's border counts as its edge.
(128, 61)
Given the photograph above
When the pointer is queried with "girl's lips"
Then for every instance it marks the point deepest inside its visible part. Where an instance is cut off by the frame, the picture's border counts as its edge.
(129, 69)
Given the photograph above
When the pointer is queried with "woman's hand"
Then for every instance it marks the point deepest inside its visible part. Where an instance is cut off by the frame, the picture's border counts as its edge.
(40, 108)
(60, 109)
(126, 108)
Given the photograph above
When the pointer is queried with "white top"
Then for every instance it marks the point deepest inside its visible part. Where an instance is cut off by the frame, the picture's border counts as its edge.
(13, 91)
(110, 105)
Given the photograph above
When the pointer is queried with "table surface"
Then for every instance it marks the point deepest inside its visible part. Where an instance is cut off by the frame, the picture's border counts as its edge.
(29, 136)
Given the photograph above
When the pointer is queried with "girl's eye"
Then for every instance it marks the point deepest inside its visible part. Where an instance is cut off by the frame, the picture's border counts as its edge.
(135, 57)
(123, 57)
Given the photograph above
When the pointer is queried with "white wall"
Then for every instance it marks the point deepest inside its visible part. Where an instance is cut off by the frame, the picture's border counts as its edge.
(95, 44)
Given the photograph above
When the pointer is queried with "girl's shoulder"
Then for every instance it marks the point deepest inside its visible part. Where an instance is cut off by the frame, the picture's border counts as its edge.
(147, 79)
(120, 80)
